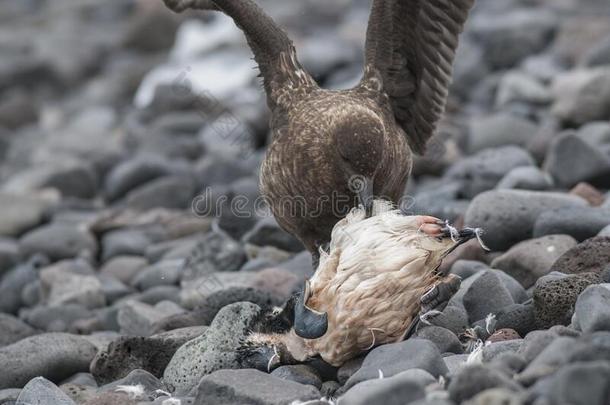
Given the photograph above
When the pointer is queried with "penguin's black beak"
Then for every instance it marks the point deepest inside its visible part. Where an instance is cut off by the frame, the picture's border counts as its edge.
(308, 323)
(461, 236)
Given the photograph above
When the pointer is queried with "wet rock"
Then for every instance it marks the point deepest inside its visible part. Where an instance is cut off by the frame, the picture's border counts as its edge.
(486, 295)
(526, 178)
(591, 255)
(13, 330)
(485, 169)
(394, 358)
(582, 95)
(531, 259)
(395, 390)
(508, 216)
(151, 354)
(445, 340)
(59, 241)
(580, 223)
(55, 356)
(474, 379)
(21, 212)
(268, 233)
(554, 300)
(591, 311)
(499, 130)
(299, 373)
(227, 387)
(214, 350)
(138, 319)
(41, 391)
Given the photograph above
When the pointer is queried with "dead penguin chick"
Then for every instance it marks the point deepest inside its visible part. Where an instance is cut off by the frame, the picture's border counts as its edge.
(378, 275)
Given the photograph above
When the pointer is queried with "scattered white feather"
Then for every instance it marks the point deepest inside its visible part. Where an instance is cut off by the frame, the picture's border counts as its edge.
(425, 318)
(490, 323)
(275, 354)
(380, 374)
(477, 354)
(133, 391)
(372, 330)
(162, 392)
(455, 234)
(478, 232)
(315, 401)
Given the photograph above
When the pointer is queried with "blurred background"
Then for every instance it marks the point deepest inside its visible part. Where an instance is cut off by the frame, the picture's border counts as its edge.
(125, 127)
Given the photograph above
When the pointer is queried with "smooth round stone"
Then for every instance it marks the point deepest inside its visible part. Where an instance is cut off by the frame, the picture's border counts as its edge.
(508, 216)
(59, 241)
(580, 223)
(531, 259)
(526, 178)
(20, 213)
(55, 356)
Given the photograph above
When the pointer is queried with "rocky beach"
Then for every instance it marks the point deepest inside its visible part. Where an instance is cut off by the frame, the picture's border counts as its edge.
(135, 250)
